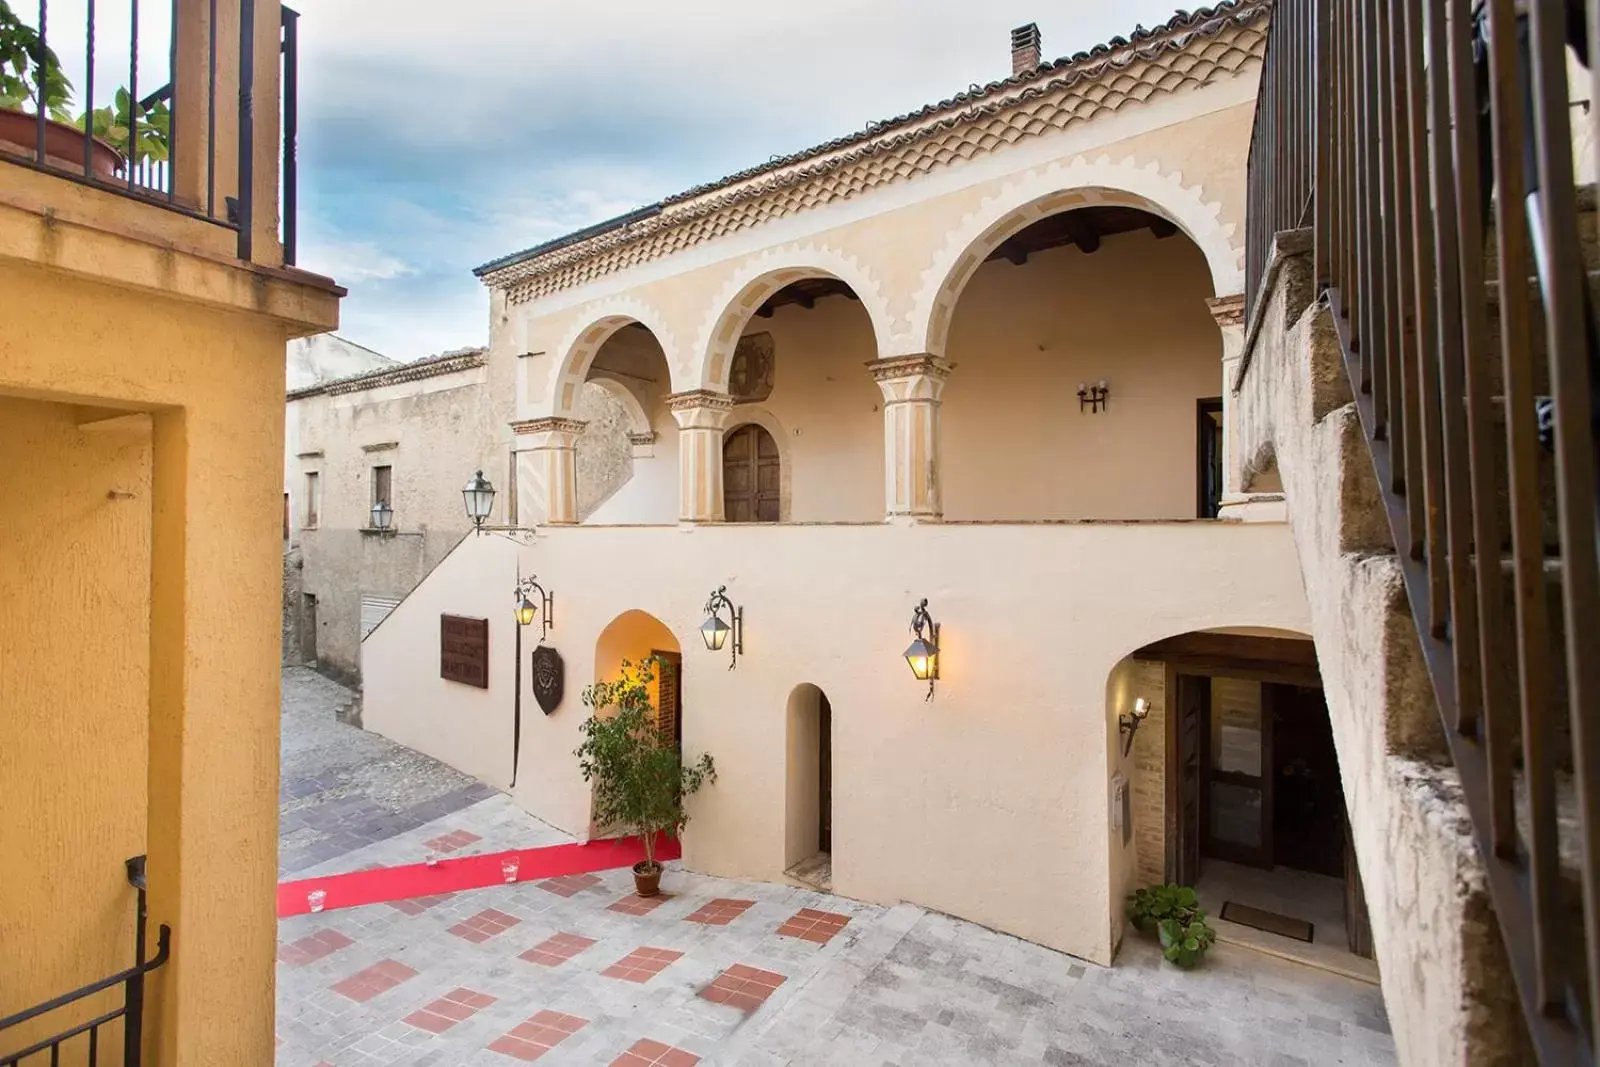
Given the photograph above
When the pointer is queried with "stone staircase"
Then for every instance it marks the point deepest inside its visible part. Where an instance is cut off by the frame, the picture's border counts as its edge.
(1446, 977)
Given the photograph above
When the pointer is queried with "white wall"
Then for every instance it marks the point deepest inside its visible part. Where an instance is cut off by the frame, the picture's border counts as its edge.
(989, 802)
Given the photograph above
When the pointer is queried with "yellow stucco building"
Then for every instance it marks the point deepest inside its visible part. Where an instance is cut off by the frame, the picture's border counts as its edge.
(146, 308)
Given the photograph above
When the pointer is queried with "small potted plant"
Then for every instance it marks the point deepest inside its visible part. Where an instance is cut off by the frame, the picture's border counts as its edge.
(639, 780)
(1172, 913)
(32, 81)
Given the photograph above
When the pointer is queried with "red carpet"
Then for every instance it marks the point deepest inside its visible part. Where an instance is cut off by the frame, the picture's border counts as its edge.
(466, 872)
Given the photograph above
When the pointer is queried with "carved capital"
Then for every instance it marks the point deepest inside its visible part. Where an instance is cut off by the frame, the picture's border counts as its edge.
(549, 432)
(907, 378)
(1227, 310)
(700, 409)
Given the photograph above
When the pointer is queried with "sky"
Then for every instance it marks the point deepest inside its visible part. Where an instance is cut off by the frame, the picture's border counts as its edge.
(437, 136)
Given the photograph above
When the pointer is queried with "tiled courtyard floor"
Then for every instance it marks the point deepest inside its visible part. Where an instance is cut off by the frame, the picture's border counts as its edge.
(579, 971)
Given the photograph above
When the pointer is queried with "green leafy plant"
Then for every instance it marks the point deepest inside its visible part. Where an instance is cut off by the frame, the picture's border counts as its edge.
(1172, 913)
(639, 781)
(30, 74)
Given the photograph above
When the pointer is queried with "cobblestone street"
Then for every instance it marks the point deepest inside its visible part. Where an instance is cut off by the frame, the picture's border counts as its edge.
(577, 970)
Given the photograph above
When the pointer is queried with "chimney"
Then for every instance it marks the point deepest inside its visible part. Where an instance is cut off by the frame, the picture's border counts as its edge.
(1025, 43)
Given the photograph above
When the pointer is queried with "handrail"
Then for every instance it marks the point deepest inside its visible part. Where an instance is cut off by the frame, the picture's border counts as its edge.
(1442, 186)
(131, 1011)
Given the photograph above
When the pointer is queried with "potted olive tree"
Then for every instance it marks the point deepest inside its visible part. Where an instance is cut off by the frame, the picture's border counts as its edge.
(639, 780)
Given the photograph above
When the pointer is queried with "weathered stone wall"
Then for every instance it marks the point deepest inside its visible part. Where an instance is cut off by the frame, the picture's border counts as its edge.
(605, 455)
(1446, 982)
(1150, 775)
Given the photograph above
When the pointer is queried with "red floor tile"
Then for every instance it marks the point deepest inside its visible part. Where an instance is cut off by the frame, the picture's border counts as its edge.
(379, 978)
(808, 924)
(454, 1007)
(742, 987)
(647, 1053)
(569, 885)
(451, 841)
(634, 904)
(642, 964)
(721, 912)
(418, 905)
(484, 925)
(312, 947)
(554, 951)
(531, 1039)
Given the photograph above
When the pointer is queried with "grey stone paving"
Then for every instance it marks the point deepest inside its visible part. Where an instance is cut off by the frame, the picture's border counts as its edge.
(895, 987)
(341, 788)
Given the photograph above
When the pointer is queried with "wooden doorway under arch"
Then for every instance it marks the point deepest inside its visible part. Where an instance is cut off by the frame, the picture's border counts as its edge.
(752, 474)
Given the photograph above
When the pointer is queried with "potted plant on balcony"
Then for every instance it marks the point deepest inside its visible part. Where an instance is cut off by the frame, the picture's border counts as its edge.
(31, 81)
(639, 780)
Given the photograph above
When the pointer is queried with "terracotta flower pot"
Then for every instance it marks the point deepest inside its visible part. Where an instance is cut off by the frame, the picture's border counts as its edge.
(647, 878)
(63, 144)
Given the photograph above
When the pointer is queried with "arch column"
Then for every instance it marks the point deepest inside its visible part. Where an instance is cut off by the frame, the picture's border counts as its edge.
(702, 416)
(547, 471)
(912, 387)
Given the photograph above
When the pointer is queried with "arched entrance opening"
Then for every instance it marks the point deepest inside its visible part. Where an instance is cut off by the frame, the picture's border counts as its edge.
(1232, 786)
(791, 349)
(752, 475)
(808, 809)
(627, 461)
(637, 637)
(1090, 371)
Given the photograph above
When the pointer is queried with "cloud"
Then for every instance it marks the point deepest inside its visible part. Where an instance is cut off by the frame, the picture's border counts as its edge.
(435, 137)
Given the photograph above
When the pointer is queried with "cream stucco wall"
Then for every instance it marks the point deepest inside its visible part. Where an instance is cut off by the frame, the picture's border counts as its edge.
(930, 799)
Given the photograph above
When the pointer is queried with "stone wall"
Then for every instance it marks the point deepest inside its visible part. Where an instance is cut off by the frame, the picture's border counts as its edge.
(1150, 775)
(605, 455)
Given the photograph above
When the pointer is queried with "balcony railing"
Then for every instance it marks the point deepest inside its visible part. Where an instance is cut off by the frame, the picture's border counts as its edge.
(82, 1040)
(1428, 145)
(160, 145)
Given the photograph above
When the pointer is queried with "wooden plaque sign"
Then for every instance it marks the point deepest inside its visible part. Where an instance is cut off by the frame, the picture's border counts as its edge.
(549, 678)
(464, 650)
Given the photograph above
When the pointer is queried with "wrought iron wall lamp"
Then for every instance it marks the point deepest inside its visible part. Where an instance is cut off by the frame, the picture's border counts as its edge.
(1129, 721)
(1095, 396)
(923, 652)
(715, 632)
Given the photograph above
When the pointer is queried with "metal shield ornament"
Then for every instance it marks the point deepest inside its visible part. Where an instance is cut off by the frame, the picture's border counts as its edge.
(549, 678)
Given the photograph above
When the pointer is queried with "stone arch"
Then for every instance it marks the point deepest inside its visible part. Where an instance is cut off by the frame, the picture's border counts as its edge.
(759, 279)
(1063, 187)
(578, 349)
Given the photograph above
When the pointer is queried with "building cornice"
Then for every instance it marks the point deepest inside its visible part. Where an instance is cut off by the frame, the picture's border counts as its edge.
(434, 367)
(1190, 52)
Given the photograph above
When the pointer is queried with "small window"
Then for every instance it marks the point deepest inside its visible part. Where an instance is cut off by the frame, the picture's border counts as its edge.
(313, 499)
(381, 486)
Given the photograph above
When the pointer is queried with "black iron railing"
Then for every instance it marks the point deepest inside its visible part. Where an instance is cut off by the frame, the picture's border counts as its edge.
(82, 1040)
(1434, 140)
(139, 143)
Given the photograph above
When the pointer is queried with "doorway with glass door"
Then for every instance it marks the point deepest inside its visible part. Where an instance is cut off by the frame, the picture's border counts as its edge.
(1262, 830)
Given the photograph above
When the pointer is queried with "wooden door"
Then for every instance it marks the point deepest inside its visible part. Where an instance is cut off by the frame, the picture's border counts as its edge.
(669, 698)
(1208, 455)
(1238, 774)
(825, 777)
(1193, 699)
(751, 475)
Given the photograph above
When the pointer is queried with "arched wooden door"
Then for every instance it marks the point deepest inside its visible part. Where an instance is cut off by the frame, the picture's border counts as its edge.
(751, 473)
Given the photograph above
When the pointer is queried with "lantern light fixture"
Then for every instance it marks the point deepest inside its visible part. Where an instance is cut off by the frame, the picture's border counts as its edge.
(1095, 396)
(715, 632)
(528, 608)
(382, 516)
(1128, 723)
(923, 652)
(478, 494)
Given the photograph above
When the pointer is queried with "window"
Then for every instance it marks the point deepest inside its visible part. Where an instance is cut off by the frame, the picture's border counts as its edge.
(381, 486)
(313, 500)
